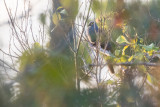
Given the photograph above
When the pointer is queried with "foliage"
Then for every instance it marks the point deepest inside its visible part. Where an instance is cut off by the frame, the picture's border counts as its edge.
(46, 78)
(53, 77)
(135, 47)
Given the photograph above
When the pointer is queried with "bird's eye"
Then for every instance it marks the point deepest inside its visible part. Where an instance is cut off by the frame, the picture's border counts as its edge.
(91, 23)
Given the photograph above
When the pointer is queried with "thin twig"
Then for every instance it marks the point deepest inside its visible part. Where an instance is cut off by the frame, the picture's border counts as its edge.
(8, 54)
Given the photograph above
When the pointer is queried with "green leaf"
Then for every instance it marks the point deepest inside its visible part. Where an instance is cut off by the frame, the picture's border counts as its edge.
(141, 40)
(117, 52)
(139, 56)
(150, 47)
(122, 39)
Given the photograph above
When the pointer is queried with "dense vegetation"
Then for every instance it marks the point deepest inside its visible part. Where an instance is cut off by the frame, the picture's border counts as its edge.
(68, 71)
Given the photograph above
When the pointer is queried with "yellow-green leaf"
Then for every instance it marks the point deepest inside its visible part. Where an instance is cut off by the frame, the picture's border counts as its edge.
(141, 40)
(123, 51)
(149, 78)
(123, 59)
(130, 58)
(139, 56)
(122, 39)
(117, 52)
(133, 41)
(150, 53)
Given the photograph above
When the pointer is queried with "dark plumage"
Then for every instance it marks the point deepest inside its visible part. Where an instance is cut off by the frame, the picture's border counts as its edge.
(93, 32)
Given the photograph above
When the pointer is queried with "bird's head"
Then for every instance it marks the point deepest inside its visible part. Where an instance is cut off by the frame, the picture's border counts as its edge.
(93, 26)
(92, 23)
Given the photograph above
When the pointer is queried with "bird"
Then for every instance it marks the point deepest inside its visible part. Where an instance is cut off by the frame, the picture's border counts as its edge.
(92, 32)
(93, 35)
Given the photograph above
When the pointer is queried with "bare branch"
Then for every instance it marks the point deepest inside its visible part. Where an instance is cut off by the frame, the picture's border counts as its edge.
(8, 54)
(129, 64)
(10, 67)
